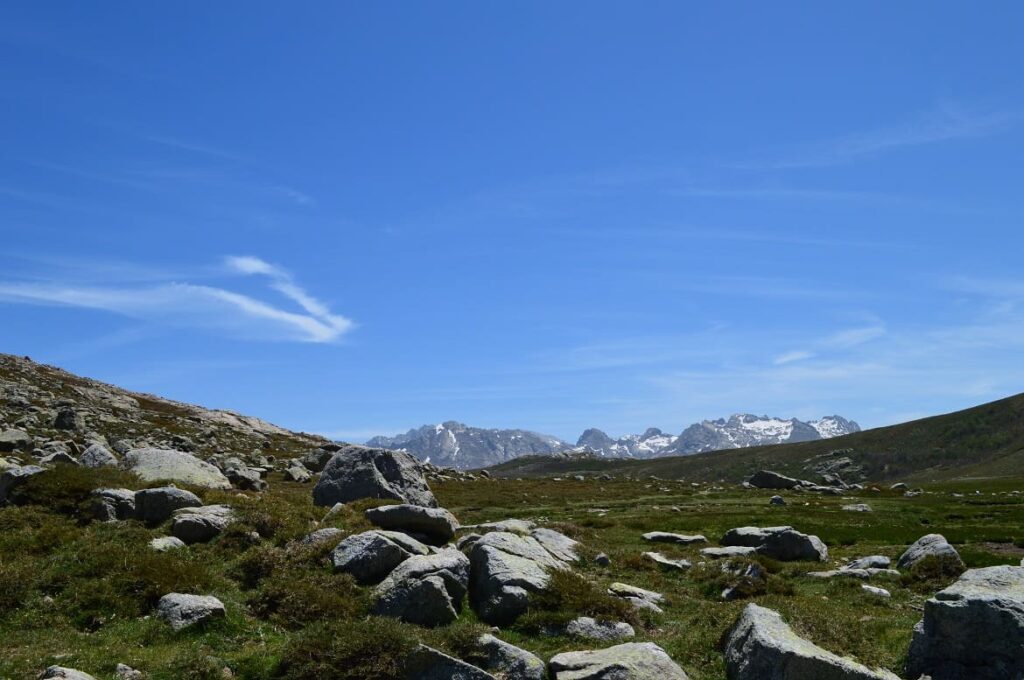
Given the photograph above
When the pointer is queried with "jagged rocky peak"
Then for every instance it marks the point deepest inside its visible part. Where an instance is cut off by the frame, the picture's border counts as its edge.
(595, 439)
(744, 429)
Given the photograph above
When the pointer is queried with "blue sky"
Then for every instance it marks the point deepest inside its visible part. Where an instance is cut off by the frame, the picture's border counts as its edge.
(355, 218)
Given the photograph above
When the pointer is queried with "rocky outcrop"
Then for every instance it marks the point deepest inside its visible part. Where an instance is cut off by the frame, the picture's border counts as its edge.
(760, 646)
(631, 661)
(370, 556)
(356, 472)
(182, 611)
(435, 526)
(152, 464)
(505, 570)
(935, 547)
(972, 630)
(426, 589)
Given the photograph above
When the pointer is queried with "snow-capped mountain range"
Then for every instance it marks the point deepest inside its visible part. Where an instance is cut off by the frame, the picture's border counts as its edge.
(453, 444)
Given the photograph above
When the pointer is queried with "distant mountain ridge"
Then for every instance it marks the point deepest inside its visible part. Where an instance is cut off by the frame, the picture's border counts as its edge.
(454, 444)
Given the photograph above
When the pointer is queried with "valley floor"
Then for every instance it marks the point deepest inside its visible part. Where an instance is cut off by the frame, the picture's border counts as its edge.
(80, 594)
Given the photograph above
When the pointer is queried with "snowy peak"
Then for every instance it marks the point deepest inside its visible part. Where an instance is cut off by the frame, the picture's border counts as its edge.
(744, 429)
(643, 445)
(454, 444)
(834, 426)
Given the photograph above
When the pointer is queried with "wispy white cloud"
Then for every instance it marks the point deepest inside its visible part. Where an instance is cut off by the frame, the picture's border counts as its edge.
(948, 121)
(791, 356)
(194, 305)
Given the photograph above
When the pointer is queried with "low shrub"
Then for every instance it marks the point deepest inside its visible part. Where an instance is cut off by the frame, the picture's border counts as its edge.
(369, 649)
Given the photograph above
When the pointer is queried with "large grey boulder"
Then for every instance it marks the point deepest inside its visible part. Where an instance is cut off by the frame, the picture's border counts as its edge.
(202, 524)
(791, 545)
(357, 472)
(436, 526)
(630, 661)
(97, 456)
(110, 505)
(760, 646)
(426, 663)
(751, 537)
(972, 630)
(181, 611)
(766, 479)
(427, 590)
(151, 464)
(508, 661)
(934, 546)
(13, 477)
(154, 506)
(62, 673)
(372, 555)
(505, 569)
(11, 440)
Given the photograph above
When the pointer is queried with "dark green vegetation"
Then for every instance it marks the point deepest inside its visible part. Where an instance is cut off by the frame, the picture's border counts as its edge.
(979, 443)
(78, 593)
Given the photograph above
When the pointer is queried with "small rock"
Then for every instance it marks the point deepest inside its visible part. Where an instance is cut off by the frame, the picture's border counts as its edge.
(322, 535)
(872, 590)
(667, 562)
(857, 507)
(166, 543)
(110, 505)
(182, 611)
(602, 560)
(605, 631)
(61, 673)
(776, 500)
(680, 539)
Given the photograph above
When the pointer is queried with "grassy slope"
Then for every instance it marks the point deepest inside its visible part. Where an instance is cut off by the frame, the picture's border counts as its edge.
(76, 593)
(983, 442)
